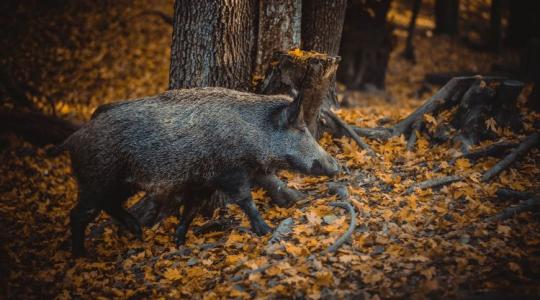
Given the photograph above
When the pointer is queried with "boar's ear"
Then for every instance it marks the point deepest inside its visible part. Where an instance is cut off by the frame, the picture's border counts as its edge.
(292, 114)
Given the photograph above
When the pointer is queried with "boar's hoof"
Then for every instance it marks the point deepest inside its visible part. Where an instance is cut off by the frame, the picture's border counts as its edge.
(181, 232)
(286, 197)
(77, 252)
(261, 228)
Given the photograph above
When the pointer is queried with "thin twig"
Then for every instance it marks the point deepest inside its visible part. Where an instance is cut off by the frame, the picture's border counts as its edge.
(528, 143)
(435, 182)
(352, 225)
(351, 133)
(283, 229)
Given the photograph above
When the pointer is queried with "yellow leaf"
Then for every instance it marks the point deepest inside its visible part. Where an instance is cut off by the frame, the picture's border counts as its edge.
(172, 274)
(430, 119)
(491, 124)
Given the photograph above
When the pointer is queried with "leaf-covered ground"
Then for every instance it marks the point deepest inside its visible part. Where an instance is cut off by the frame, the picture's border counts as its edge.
(431, 243)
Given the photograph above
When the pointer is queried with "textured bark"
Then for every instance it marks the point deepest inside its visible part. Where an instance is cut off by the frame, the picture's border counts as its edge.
(446, 16)
(213, 44)
(310, 74)
(366, 45)
(322, 26)
(279, 30)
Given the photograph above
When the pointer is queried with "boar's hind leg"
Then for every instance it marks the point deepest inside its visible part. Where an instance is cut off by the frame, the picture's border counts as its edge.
(191, 204)
(237, 186)
(84, 212)
(125, 218)
(112, 205)
(279, 192)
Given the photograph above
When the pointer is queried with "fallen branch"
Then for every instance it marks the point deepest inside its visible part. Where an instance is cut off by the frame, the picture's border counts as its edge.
(508, 193)
(436, 182)
(507, 213)
(379, 133)
(528, 143)
(342, 239)
(214, 226)
(350, 132)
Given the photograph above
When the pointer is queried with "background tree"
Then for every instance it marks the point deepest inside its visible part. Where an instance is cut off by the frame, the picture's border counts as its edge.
(366, 44)
(446, 16)
(213, 44)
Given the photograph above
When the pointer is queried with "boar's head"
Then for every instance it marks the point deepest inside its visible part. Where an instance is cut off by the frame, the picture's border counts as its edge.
(296, 148)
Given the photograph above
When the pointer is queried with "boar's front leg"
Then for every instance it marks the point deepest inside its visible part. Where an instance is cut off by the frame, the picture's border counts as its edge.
(279, 192)
(191, 206)
(237, 186)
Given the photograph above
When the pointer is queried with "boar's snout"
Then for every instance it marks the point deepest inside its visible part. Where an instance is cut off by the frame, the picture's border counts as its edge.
(325, 166)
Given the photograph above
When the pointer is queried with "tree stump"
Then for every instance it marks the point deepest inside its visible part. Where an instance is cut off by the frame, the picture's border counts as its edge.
(466, 110)
(308, 73)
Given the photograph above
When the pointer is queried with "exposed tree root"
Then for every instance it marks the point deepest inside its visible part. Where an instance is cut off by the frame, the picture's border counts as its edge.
(508, 193)
(466, 110)
(530, 204)
(416, 127)
(494, 149)
(352, 225)
(435, 182)
(350, 132)
(528, 143)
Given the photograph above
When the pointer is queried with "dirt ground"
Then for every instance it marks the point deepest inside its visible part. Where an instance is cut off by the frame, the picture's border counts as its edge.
(430, 244)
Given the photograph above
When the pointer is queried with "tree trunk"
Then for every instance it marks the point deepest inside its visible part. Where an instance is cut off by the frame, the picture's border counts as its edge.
(322, 25)
(279, 30)
(366, 44)
(530, 66)
(409, 47)
(523, 22)
(495, 30)
(213, 44)
(446, 16)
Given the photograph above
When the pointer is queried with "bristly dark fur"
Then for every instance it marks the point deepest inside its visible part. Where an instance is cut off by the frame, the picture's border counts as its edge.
(185, 140)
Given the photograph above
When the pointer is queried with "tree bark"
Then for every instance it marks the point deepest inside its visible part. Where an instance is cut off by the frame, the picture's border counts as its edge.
(279, 30)
(446, 16)
(213, 44)
(322, 26)
(366, 44)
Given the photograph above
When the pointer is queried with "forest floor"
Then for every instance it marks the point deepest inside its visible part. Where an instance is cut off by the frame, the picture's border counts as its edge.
(433, 243)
